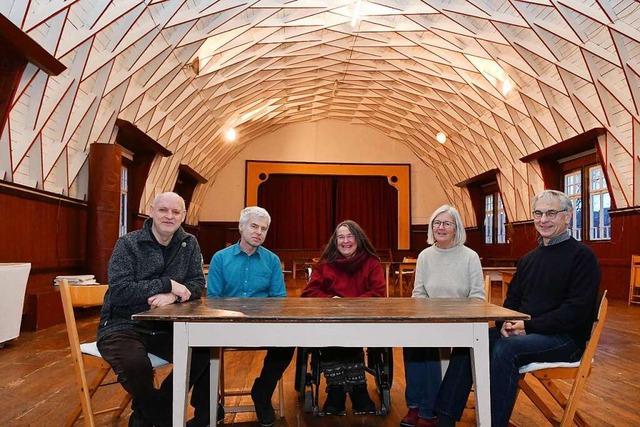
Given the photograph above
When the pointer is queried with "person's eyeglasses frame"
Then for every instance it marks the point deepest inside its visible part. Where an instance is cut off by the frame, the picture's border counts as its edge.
(550, 214)
(446, 224)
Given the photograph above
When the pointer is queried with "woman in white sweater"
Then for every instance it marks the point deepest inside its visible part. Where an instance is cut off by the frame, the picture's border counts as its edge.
(446, 269)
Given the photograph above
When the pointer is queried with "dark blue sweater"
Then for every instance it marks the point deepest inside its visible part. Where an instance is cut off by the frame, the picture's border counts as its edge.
(557, 286)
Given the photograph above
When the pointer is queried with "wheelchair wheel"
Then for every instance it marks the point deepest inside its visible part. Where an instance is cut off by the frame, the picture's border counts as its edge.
(307, 406)
(386, 402)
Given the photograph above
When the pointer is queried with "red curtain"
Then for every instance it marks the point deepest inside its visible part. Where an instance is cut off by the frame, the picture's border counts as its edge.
(305, 209)
(301, 209)
(373, 204)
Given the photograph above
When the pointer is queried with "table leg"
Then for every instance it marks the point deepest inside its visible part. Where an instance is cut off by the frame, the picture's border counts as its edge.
(480, 369)
(295, 267)
(181, 368)
(214, 384)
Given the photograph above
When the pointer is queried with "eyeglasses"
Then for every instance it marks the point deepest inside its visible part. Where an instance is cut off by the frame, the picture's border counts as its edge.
(445, 224)
(342, 238)
(551, 214)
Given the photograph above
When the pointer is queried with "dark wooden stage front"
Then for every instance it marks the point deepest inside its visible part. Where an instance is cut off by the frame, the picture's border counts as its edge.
(37, 380)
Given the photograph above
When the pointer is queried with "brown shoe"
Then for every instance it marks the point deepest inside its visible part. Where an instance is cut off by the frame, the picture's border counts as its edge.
(427, 422)
(411, 419)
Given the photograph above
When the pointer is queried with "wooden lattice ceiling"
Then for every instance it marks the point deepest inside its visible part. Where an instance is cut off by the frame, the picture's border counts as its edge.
(409, 69)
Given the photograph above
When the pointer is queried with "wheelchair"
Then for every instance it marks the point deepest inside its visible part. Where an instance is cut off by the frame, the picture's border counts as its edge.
(378, 362)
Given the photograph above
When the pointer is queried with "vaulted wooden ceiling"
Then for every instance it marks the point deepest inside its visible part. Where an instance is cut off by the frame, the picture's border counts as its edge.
(408, 68)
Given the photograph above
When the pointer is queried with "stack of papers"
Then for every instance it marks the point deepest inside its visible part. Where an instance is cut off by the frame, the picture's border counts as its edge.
(82, 279)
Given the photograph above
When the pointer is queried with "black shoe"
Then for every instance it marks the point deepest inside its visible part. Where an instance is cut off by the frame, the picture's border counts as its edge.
(137, 420)
(336, 401)
(203, 421)
(264, 409)
(361, 403)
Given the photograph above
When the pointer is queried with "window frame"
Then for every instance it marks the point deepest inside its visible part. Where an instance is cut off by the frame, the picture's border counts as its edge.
(496, 213)
(584, 163)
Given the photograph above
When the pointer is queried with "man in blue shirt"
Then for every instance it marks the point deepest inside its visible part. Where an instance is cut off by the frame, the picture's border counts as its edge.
(248, 270)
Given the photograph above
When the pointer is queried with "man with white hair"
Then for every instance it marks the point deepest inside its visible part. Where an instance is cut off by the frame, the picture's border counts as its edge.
(248, 270)
(158, 265)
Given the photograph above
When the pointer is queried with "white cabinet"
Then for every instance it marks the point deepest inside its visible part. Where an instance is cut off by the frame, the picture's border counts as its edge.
(13, 285)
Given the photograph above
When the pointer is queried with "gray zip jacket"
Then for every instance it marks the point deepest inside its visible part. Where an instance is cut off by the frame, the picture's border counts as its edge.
(137, 271)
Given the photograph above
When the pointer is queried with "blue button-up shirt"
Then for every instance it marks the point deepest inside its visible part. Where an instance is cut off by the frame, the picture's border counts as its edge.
(233, 273)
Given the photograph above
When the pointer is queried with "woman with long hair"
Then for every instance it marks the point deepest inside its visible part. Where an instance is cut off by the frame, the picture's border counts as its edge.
(348, 267)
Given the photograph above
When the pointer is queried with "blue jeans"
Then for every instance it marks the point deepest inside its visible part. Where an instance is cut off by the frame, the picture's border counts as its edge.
(423, 376)
(506, 356)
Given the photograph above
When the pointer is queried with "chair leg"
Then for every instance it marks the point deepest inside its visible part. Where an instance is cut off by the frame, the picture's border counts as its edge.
(537, 401)
(280, 399)
(572, 406)
(123, 404)
(85, 392)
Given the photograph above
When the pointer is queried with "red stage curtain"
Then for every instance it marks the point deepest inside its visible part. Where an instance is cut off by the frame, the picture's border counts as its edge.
(301, 209)
(305, 209)
(373, 204)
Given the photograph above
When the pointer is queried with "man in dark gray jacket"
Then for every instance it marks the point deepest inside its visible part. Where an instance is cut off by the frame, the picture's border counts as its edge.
(160, 264)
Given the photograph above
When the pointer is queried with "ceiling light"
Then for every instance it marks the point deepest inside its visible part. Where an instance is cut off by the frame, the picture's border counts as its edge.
(494, 73)
(357, 13)
(230, 134)
(441, 137)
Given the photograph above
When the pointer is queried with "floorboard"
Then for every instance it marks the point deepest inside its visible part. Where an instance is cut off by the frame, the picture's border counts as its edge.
(37, 381)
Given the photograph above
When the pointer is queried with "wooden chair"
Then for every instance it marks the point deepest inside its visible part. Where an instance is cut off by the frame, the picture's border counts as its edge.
(547, 373)
(224, 393)
(87, 354)
(406, 269)
(634, 283)
(487, 288)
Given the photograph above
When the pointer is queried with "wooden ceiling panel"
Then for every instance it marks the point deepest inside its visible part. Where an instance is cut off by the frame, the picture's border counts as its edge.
(408, 69)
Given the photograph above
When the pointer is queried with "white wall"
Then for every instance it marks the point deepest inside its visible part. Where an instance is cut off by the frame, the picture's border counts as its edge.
(327, 141)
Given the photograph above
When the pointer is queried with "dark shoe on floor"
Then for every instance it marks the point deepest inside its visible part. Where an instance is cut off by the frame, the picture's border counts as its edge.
(264, 409)
(137, 420)
(411, 419)
(427, 422)
(361, 403)
(203, 421)
(445, 421)
(336, 401)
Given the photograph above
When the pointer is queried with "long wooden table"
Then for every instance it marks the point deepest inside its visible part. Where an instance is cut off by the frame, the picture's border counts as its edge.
(321, 322)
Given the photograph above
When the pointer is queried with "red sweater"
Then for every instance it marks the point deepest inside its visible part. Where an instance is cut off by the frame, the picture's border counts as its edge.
(360, 276)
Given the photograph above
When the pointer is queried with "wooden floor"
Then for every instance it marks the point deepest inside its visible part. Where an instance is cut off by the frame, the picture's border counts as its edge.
(37, 381)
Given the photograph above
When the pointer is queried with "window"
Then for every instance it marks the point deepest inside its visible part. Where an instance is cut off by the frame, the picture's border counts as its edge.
(124, 193)
(599, 205)
(494, 219)
(597, 200)
(573, 189)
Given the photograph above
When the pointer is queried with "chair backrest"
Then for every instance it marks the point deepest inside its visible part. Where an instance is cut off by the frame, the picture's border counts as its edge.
(70, 319)
(487, 288)
(634, 282)
(598, 322)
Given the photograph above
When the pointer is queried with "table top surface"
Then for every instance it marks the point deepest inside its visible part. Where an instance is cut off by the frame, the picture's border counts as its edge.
(333, 310)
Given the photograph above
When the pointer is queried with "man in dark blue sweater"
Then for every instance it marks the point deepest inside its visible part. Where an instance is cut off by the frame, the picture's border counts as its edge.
(557, 285)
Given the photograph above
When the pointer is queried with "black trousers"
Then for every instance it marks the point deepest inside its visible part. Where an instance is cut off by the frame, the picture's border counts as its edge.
(126, 352)
(275, 363)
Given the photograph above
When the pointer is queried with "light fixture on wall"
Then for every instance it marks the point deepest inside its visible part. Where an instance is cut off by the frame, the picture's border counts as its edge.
(441, 137)
(194, 65)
